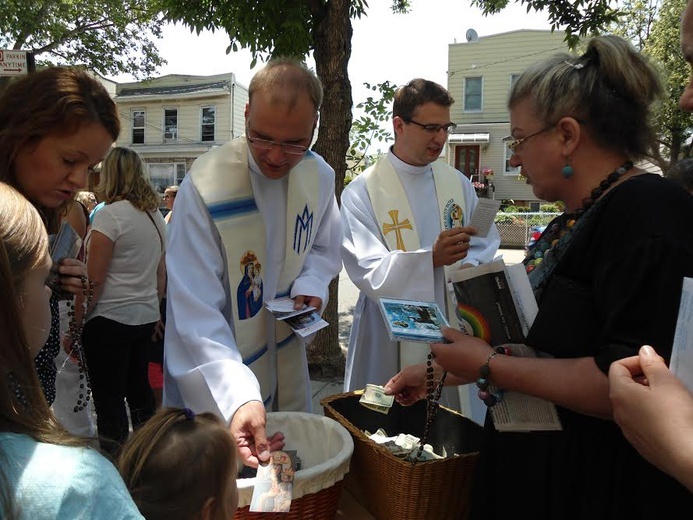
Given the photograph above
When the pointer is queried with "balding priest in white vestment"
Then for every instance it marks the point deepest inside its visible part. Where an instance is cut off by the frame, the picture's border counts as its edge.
(404, 222)
(256, 219)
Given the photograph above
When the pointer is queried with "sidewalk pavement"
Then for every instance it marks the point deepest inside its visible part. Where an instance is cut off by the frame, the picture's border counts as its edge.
(348, 294)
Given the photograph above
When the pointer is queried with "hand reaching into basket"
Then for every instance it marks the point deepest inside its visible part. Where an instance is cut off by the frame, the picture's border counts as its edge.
(409, 385)
(248, 428)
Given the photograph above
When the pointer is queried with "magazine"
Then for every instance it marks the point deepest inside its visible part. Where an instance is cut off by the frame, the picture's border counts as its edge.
(495, 302)
(411, 320)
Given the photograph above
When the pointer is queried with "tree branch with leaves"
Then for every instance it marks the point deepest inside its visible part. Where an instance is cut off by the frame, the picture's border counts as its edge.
(578, 18)
(107, 36)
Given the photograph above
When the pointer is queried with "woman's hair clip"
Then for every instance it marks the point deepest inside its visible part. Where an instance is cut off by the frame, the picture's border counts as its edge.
(577, 66)
(189, 414)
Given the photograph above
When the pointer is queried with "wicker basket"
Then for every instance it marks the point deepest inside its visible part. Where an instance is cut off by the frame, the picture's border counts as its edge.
(325, 448)
(391, 488)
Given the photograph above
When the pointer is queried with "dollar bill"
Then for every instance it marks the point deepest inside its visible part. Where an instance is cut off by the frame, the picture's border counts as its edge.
(407, 441)
(374, 398)
(416, 455)
(395, 449)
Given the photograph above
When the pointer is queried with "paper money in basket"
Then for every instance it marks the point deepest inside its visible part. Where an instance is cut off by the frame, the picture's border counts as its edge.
(374, 398)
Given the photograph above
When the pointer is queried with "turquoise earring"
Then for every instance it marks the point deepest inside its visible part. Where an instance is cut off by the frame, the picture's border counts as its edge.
(567, 171)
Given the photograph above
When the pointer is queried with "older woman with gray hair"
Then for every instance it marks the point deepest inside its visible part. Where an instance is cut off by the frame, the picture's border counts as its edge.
(607, 276)
(125, 261)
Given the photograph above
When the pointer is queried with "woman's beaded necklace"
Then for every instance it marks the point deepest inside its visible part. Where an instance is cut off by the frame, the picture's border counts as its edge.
(564, 224)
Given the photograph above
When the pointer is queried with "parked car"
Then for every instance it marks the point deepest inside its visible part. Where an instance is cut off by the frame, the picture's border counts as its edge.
(534, 235)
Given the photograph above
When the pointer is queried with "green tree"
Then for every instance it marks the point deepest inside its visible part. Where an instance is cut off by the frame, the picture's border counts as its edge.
(108, 36)
(653, 28)
(635, 21)
(664, 46)
(298, 27)
(370, 127)
(578, 18)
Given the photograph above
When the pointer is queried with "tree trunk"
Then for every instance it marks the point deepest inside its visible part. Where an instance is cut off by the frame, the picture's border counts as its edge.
(325, 357)
(332, 37)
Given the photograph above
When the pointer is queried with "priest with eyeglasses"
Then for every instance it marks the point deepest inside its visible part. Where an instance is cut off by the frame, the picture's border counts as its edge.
(406, 225)
(256, 219)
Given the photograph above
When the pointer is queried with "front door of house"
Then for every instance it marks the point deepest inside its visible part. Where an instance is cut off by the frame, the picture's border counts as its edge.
(467, 160)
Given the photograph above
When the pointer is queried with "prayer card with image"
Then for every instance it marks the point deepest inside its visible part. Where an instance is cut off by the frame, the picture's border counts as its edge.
(410, 320)
(274, 483)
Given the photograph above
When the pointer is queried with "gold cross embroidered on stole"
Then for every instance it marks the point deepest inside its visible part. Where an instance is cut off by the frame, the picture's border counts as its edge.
(397, 227)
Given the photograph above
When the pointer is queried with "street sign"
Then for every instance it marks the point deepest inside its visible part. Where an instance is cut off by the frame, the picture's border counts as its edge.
(13, 63)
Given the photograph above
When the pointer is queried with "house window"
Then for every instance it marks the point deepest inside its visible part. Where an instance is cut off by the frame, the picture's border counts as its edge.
(163, 175)
(170, 124)
(513, 80)
(138, 117)
(180, 172)
(509, 170)
(208, 123)
(472, 93)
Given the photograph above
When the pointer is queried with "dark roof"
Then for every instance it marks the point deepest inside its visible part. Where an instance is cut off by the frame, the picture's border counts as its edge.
(173, 89)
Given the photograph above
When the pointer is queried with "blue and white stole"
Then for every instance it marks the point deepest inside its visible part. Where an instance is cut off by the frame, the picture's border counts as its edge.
(269, 347)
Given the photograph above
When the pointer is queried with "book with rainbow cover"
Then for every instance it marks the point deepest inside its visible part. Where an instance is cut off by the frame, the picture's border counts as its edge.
(494, 302)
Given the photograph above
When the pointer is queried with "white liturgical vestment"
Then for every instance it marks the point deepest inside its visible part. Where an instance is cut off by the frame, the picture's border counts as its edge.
(204, 367)
(380, 272)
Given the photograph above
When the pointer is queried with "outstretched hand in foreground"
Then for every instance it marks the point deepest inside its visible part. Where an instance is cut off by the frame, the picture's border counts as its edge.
(655, 412)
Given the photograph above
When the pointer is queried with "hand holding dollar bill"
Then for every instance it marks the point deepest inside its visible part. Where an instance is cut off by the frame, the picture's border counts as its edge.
(374, 398)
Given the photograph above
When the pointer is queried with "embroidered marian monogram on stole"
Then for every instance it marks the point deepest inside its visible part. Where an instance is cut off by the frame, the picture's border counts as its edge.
(303, 230)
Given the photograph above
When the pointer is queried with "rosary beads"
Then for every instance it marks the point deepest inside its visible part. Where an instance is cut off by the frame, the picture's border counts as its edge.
(432, 397)
(75, 334)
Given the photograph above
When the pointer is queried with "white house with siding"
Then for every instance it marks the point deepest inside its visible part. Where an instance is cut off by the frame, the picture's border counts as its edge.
(172, 120)
(481, 72)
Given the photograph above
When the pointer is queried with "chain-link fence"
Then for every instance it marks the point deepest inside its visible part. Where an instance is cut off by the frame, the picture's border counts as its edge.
(516, 228)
